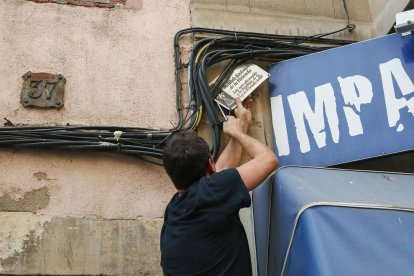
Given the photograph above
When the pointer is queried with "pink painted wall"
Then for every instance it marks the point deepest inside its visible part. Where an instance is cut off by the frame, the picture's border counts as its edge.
(119, 69)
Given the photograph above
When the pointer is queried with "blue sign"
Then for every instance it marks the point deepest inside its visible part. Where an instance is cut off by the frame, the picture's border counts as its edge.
(345, 104)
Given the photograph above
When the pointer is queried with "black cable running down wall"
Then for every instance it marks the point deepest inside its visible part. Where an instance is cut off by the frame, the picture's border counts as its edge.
(233, 48)
(229, 47)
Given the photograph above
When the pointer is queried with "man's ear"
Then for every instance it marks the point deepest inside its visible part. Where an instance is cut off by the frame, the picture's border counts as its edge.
(211, 167)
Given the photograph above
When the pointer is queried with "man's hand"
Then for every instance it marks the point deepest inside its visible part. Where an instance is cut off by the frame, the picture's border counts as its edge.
(244, 114)
(242, 120)
(230, 157)
(232, 126)
(263, 161)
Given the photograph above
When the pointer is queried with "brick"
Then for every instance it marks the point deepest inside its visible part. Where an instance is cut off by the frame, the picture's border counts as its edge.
(135, 5)
(86, 3)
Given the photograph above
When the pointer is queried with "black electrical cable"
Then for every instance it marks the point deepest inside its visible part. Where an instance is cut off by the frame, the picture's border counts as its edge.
(235, 48)
(227, 48)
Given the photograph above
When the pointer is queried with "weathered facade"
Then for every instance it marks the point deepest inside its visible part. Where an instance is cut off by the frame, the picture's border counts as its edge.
(101, 213)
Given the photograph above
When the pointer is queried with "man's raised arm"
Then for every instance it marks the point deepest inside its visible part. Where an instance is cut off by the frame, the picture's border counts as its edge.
(230, 157)
(263, 161)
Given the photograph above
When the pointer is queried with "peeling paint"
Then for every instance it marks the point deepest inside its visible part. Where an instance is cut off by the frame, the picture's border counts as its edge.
(42, 176)
(40, 245)
(14, 235)
(30, 202)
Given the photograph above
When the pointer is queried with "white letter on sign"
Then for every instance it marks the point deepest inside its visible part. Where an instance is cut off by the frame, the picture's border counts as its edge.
(279, 126)
(324, 101)
(349, 88)
(393, 104)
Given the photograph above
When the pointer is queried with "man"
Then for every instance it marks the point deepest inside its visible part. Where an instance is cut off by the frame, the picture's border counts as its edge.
(202, 233)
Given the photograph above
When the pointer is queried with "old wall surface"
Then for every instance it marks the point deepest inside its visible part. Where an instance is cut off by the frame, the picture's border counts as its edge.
(97, 213)
(53, 245)
(372, 18)
(119, 69)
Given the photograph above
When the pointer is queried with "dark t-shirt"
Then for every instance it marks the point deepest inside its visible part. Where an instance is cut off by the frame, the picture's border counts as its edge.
(202, 232)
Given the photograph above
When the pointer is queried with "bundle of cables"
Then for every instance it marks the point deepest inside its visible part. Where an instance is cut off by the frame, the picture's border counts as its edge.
(230, 49)
(140, 142)
(225, 47)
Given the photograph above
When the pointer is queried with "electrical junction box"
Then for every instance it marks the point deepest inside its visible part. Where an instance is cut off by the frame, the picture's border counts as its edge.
(404, 22)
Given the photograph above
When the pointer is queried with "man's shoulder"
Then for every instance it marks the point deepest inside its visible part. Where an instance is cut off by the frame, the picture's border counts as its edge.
(227, 186)
(227, 174)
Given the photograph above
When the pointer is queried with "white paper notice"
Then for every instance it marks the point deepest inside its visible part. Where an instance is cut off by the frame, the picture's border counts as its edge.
(242, 82)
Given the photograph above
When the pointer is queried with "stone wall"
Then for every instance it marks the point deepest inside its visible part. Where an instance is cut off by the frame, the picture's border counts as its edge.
(299, 17)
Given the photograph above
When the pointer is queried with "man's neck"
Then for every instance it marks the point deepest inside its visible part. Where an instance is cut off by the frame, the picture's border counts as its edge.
(209, 173)
(181, 192)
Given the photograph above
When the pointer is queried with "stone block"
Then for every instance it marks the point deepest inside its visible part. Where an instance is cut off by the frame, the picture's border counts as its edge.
(358, 10)
(216, 2)
(238, 5)
(34, 244)
(320, 8)
(292, 6)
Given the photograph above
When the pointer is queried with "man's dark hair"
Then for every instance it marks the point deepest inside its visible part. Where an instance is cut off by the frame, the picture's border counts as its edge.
(186, 158)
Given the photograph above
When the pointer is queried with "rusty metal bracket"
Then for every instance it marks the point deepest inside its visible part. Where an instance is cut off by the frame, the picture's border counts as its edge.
(42, 90)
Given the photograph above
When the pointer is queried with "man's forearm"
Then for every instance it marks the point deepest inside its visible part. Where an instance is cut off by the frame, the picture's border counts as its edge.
(231, 155)
(263, 161)
(252, 146)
